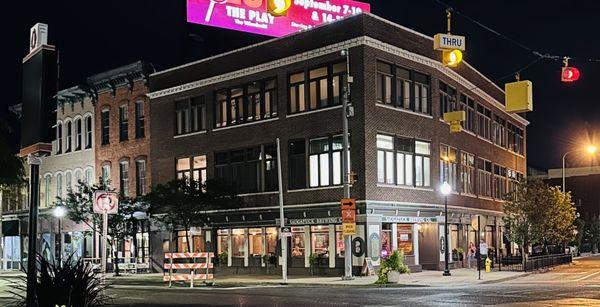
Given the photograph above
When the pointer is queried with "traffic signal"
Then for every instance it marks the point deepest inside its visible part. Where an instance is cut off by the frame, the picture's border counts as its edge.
(353, 177)
(569, 74)
(278, 7)
(518, 96)
(451, 58)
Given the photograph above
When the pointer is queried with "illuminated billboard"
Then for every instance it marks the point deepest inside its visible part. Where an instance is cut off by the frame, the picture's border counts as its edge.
(252, 16)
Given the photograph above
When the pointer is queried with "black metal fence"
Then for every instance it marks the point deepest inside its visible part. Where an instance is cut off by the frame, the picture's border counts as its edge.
(516, 263)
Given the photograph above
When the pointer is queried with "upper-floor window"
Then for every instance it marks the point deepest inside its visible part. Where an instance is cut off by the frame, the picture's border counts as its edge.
(449, 165)
(248, 103)
(140, 128)
(499, 182)
(447, 98)
(513, 180)
(59, 186)
(69, 136)
(484, 121)
(47, 188)
(403, 88)
(140, 177)
(68, 182)
(106, 174)
(191, 168)
(190, 115)
(78, 132)
(88, 132)
(249, 170)
(123, 123)
(88, 176)
(467, 173)
(124, 178)
(316, 88)
(325, 161)
(105, 123)
(499, 131)
(297, 164)
(78, 179)
(468, 105)
(59, 138)
(515, 138)
(484, 174)
(403, 161)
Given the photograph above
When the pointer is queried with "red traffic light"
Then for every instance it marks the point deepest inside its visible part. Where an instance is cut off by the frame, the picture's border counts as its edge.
(570, 74)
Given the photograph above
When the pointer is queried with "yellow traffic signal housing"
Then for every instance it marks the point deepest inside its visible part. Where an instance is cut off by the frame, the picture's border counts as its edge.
(456, 116)
(451, 58)
(518, 96)
(455, 127)
(278, 7)
(353, 178)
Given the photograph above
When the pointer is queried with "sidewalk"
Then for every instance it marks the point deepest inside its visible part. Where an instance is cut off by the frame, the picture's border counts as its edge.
(460, 277)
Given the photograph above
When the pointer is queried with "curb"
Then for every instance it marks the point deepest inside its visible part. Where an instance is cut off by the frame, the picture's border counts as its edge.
(486, 282)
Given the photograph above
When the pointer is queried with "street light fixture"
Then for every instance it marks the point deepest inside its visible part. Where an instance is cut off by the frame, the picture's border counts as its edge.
(590, 149)
(59, 212)
(446, 189)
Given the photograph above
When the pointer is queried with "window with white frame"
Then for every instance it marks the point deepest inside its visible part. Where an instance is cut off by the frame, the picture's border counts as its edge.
(124, 178)
(484, 122)
(59, 185)
(403, 88)
(88, 176)
(78, 133)
(448, 165)
(106, 174)
(403, 161)
(499, 131)
(59, 138)
(499, 182)
(467, 173)
(47, 188)
(69, 136)
(325, 161)
(467, 104)
(484, 174)
(88, 132)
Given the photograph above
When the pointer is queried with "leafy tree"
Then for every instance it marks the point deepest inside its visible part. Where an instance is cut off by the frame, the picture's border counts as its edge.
(593, 232)
(79, 204)
(559, 217)
(184, 203)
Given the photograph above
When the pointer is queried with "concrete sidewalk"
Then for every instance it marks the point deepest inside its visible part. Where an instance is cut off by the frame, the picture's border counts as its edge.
(460, 277)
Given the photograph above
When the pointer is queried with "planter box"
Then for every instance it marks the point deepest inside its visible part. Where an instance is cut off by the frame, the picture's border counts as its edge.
(393, 277)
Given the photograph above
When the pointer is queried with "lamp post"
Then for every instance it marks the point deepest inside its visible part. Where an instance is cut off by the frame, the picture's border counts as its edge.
(590, 149)
(59, 212)
(446, 189)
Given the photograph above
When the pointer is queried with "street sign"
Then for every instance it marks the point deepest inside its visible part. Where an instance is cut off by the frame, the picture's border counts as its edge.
(285, 231)
(106, 202)
(348, 204)
(348, 216)
(348, 229)
(448, 42)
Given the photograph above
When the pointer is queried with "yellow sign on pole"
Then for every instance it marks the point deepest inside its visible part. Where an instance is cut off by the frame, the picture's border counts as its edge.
(348, 229)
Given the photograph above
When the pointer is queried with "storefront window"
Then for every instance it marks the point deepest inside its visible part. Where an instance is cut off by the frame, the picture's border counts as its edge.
(271, 240)
(237, 244)
(386, 243)
(222, 240)
(405, 239)
(297, 241)
(339, 242)
(257, 239)
(182, 246)
(454, 239)
(320, 241)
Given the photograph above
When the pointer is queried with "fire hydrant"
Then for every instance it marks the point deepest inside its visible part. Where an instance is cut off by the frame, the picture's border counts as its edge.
(488, 265)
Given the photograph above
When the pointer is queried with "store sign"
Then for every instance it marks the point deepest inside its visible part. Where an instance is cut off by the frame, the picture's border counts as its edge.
(252, 16)
(408, 219)
(286, 231)
(315, 221)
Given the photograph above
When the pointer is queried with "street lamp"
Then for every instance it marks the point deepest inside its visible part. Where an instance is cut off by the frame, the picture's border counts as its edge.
(446, 189)
(59, 212)
(590, 149)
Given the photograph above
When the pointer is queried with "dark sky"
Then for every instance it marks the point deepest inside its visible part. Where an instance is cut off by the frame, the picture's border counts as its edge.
(94, 36)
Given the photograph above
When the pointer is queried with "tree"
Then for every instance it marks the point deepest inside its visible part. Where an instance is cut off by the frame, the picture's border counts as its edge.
(79, 204)
(593, 233)
(184, 203)
(559, 217)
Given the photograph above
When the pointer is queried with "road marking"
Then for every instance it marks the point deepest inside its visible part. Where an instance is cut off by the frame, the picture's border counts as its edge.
(587, 276)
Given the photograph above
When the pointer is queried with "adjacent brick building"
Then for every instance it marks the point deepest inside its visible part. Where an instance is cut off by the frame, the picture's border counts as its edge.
(220, 117)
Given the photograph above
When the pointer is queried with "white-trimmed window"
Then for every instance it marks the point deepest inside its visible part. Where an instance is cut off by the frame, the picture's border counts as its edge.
(448, 165)
(78, 133)
(325, 161)
(88, 132)
(467, 173)
(59, 185)
(484, 174)
(140, 177)
(124, 177)
(403, 161)
(69, 136)
(59, 138)
(106, 174)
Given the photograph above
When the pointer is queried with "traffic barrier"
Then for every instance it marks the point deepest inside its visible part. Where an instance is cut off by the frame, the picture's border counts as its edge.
(192, 266)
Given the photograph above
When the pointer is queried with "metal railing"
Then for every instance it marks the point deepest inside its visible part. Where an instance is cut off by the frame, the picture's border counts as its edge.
(516, 263)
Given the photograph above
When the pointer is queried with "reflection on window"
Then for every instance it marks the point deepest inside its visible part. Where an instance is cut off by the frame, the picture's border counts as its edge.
(249, 170)
(316, 88)
(297, 242)
(320, 241)
(247, 103)
(402, 88)
(238, 241)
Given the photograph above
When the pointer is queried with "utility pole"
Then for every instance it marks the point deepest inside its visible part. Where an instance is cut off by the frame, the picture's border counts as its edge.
(347, 111)
(283, 238)
(34, 193)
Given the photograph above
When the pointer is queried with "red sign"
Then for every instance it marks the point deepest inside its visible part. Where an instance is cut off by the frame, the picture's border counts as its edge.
(252, 16)
(348, 210)
(106, 202)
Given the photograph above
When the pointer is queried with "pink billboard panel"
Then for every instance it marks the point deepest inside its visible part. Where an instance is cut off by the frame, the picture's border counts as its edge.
(251, 15)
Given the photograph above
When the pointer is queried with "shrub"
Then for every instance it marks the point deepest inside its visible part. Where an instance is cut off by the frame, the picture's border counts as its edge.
(73, 284)
(223, 258)
(395, 262)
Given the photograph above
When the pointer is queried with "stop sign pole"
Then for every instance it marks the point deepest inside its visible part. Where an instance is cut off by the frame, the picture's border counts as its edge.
(105, 203)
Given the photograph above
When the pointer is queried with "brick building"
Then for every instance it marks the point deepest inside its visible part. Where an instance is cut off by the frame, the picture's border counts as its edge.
(220, 117)
(122, 138)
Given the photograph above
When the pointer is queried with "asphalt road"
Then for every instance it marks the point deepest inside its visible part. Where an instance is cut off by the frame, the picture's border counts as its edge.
(575, 285)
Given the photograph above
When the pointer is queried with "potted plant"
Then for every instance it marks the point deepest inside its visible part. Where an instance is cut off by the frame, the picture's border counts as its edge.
(391, 268)
(223, 259)
(461, 253)
(454, 254)
(312, 261)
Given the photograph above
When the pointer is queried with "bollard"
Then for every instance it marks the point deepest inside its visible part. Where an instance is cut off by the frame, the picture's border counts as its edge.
(192, 279)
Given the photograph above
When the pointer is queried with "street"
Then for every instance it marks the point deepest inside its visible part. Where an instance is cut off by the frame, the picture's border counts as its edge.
(577, 285)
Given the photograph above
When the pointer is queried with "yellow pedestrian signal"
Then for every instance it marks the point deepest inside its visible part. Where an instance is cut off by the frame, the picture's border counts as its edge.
(278, 7)
(451, 58)
(518, 96)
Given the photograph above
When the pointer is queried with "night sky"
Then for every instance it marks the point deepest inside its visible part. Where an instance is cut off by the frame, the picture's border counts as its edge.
(94, 36)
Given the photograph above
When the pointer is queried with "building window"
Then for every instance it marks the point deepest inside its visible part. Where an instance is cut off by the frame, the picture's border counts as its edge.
(47, 183)
(484, 121)
(403, 88)
(59, 139)
(190, 115)
(403, 161)
(500, 182)
(247, 103)
(78, 179)
(123, 123)
(222, 241)
(106, 174)
(468, 105)
(68, 182)
(140, 177)
(447, 99)
(405, 239)
(192, 168)
(140, 128)
(320, 241)
(88, 132)
(448, 165)
(297, 242)
(513, 180)
(297, 164)
(238, 242)
(499, 131)
(124, 178)
(59, 186)
(78, 133)
(484, 173)
(88, 177)
(339, 242)
(325, 161)
(467, 173)
(69, 137)
(515, 138)
(105, 121)
(322, 86)
(248, 170)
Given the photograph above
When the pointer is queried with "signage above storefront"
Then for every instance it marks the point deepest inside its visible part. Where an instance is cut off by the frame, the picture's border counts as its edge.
(408, 219)
(252, 16)
(315, 221)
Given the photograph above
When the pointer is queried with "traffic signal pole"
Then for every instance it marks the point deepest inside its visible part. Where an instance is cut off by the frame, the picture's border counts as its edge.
(34, 195)
(346, 163)
(281, 217)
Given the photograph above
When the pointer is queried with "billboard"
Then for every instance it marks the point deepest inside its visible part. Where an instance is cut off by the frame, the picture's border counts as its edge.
(251, 15)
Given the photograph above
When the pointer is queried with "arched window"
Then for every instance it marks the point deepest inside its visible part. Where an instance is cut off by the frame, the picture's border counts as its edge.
(47, 183)
(59, 134)
(78, 133)
(88, 176)
(69, 137)
(59, 185)
(106, 174)
(88, 132)
(77, 179)
(68, 182)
